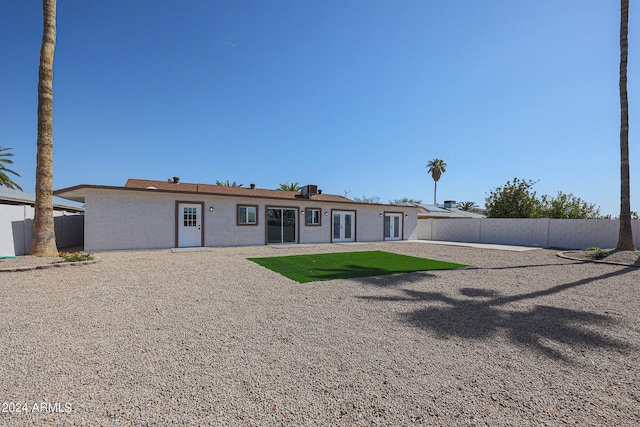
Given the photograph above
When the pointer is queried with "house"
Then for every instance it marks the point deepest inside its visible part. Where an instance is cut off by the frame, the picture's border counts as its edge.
(147, 214)
(16, 222)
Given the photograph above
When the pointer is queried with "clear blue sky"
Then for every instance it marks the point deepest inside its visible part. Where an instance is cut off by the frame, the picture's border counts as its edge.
(349, 95)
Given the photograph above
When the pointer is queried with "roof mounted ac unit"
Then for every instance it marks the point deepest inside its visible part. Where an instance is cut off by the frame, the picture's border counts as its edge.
(308, 190)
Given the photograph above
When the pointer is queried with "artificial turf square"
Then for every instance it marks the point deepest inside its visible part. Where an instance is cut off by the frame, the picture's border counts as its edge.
(345, 265)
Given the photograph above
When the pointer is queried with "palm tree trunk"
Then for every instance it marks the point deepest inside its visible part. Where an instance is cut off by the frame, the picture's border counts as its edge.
(625, 235)
(435, 187)
(43, 242)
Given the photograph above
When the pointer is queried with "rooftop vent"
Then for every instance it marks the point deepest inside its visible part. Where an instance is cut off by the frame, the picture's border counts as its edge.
(309, 190)
(253, 186)
(175, 180)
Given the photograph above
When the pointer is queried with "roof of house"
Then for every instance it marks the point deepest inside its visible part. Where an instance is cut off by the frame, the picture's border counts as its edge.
(433, 211)
(15, 197)
(229, 191)
(78, 192)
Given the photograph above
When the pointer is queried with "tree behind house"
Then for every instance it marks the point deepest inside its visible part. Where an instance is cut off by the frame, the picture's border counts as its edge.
(365, 199)
(466, 206)
(565, 206)
(294, 186)
(4, 178)
(436, 168)
(227, 183)
(404, 201)
(515, 199)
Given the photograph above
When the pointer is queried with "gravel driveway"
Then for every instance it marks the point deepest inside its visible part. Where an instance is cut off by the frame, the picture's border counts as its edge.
(209, 338)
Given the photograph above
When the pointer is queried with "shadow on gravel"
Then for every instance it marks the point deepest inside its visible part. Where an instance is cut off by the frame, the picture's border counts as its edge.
(515, 267)
(395, 280)
(544, 329)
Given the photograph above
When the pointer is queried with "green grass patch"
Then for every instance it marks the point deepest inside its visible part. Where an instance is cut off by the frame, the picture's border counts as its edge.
(346, 265)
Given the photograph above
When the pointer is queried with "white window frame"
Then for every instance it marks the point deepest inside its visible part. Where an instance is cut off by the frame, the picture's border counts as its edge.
(309, 216)
(244, 219)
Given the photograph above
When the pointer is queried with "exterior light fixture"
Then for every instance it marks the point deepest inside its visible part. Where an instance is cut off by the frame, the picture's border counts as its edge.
(210, 208)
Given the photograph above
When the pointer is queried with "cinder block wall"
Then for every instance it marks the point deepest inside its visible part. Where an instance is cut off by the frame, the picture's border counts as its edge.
(523, 232)
(543, 232)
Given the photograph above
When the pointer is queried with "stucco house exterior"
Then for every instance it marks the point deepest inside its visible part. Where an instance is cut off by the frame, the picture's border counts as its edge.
(148, 214)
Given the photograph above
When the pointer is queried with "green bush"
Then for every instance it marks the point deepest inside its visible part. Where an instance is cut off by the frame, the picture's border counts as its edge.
(76, 256)
(596, 252)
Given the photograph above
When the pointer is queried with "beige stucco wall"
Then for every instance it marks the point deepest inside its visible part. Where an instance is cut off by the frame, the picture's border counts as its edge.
(117, 219)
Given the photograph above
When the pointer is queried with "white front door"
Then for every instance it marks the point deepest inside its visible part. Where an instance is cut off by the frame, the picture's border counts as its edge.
(392, 226)
(189, 225)
(343, 226)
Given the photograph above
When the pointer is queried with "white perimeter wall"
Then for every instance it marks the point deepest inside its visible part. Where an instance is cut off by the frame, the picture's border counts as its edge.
(119, 219)
(16, 229)
(544, 232)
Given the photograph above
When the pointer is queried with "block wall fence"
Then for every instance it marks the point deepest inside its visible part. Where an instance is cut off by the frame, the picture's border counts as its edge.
(543, 232)
(16, 229)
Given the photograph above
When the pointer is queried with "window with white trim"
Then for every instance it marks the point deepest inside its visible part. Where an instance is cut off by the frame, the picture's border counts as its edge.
(247, 215)
(312, 216)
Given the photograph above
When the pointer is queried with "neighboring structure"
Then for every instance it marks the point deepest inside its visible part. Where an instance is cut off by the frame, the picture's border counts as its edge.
(449, 211)
(148, 214)
(16, 222)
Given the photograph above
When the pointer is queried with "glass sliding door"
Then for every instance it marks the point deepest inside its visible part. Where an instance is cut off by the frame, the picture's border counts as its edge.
(289, 226)
(282, 225)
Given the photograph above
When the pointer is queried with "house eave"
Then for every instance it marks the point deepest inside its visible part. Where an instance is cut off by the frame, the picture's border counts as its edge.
(78, 193)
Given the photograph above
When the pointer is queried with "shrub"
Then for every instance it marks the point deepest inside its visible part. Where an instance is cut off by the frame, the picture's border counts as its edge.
(76, 256)
(596, 252)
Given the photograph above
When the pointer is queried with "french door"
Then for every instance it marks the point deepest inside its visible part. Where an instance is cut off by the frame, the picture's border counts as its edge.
(343, 226)
(392, 226)
(282, 225)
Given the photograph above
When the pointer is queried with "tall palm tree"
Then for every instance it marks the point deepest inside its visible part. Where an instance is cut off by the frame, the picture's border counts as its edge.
(625, 235)
(436, 168)
(43, 242)
(4, 179)
(294, 186)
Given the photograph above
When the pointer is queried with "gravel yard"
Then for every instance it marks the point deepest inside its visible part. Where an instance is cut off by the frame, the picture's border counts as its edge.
(210, 338)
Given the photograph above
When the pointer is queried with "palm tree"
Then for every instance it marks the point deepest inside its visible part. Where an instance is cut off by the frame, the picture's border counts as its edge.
(228, 184)
(436, 168)
(466, 206)
(4, 179)
(43, 242)
(625, 235)
(294, 186)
